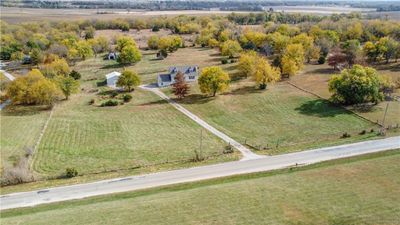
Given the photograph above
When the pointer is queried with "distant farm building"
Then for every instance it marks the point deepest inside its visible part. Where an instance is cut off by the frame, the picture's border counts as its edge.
(112, 56)
(112, 79)
(190, 73)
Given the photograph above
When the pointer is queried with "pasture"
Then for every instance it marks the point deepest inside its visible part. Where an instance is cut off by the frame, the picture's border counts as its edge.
(146, 132)
(314, 78)
(277, 120)
(361, 190)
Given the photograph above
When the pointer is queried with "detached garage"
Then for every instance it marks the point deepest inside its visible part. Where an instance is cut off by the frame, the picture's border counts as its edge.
(112, 79)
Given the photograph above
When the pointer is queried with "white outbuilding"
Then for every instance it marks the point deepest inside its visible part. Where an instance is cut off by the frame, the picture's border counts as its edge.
(112, 79)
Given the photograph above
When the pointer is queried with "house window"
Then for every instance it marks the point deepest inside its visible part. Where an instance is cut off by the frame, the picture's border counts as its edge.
(191, 77)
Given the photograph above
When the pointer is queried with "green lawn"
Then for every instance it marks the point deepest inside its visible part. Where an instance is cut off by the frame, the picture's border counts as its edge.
(146, 132)
(143, 132)
(360, 190)
(20, 129)
(315, 78)
(282, 116)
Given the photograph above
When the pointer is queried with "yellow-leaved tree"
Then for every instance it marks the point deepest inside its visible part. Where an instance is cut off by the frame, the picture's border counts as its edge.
(292, 59)
(212, 80)
(264, 73)
(33, 89)
(247, 63)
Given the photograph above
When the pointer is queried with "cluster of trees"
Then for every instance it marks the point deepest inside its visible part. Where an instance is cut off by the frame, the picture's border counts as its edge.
(36, 89)
(251, 64)
(165, 44)
(45, 85)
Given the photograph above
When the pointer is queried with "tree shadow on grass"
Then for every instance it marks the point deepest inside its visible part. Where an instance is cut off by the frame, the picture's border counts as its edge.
(194, 99)
(158, 102)
(244, 90)
(113, 66)
(236, 76)
(101, 83)
(321, 108)
(324, 71)
(24, 110)
(110, 93)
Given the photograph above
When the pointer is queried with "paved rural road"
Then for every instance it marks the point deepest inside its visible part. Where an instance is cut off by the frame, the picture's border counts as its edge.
(57, 194)
(247, 154)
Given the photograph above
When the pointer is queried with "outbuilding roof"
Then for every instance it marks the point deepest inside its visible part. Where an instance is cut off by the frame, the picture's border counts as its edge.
(113, 74)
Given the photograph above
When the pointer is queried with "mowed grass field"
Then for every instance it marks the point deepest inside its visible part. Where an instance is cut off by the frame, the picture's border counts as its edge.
(143, 132)
(282, 118)
(146, 132)
(315, 78)
(19, 130)
(361, 190)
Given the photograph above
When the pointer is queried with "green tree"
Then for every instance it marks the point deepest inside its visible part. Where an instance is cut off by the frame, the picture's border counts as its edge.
(124, 41)
(89, 32)
(36, 56)
(212, 80)
(128, 80)
(230, 48)
(356, 85)
(68, 85)
(83, 49)
(129, 54)
(387, 47)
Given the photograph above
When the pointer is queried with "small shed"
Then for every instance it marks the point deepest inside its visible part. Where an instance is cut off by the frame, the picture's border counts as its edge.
(112, 56)
(112, 79)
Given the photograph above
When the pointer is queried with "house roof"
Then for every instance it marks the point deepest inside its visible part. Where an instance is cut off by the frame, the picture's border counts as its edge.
(183, 69)
(113, 74)
(165, 77)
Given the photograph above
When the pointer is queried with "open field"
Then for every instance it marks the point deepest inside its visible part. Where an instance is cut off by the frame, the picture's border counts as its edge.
(314, 78)
(282, 117)
(19, 130)
(143, 132)
(18, 15)
(359, 190)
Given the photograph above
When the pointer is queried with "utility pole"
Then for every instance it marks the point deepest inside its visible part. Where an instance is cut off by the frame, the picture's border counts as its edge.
(201, 141)
(383, 120)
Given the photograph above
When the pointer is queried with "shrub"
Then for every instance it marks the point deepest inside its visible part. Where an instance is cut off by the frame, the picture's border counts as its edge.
(74, 74)
(228, 149)
(17, 174)
(92, 101)
(363, 132)
(346, 135)
(71, 172)
(155, 29)
(224, 61)
(109, 103)
(113, 94)
(321, 60)
(127, 97)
